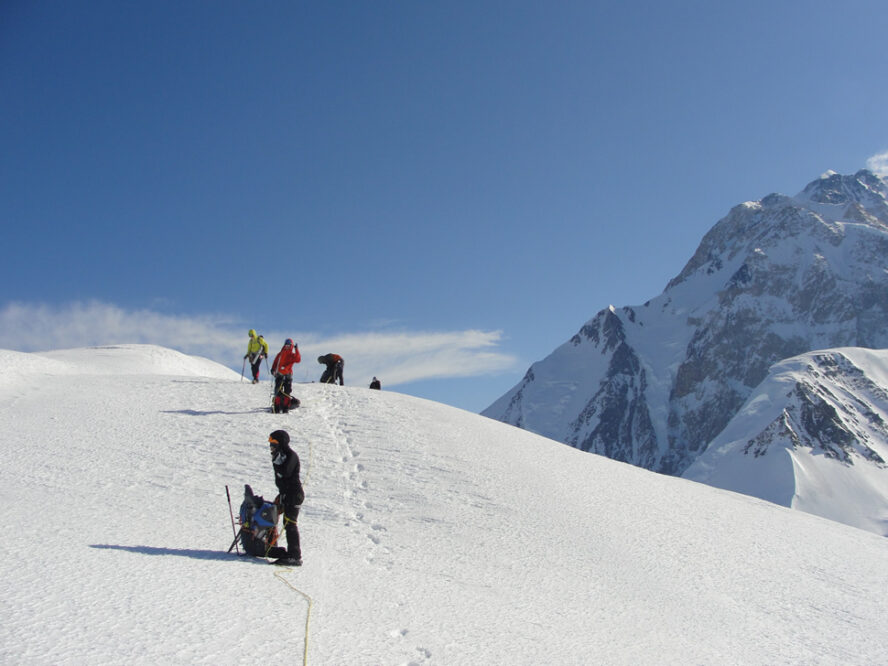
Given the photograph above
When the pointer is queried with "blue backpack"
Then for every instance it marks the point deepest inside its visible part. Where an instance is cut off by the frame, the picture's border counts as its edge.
(258, 521)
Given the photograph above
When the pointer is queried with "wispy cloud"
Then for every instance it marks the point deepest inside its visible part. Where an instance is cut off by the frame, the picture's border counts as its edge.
(878, 164)
(396, 356)
(406, 356)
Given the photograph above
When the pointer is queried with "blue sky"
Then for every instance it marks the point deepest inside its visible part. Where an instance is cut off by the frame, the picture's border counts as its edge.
(442, 192)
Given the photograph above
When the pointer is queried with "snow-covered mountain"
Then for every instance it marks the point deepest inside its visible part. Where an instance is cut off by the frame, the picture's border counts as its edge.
(430, 536)
(653, 385)
(813, 436)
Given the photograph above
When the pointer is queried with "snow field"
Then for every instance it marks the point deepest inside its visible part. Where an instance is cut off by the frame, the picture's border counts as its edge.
(430, 536)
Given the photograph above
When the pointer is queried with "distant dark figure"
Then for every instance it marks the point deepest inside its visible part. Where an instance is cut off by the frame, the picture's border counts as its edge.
(335, 363)
(375, 384)
(286, 477)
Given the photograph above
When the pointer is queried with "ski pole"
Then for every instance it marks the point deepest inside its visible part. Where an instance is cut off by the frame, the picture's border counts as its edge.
(234, 543)
(231, 512)
(243, 369)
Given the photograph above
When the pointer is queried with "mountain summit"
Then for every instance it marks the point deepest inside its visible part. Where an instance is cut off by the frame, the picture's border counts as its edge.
(653, 385)
(852, 193)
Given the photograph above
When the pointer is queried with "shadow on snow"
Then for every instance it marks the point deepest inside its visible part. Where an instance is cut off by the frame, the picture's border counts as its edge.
(195, 412)
(180, 552)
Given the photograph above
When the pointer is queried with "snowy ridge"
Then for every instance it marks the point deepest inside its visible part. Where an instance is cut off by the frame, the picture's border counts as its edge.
(430, 535)
(117, 359)
(653, 385)
(813, 436)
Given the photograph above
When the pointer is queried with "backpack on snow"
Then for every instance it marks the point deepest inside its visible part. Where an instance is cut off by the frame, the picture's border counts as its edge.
(283, 403)
(258, 520)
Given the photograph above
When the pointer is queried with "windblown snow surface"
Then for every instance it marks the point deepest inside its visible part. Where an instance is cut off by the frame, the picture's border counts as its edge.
(430, 536)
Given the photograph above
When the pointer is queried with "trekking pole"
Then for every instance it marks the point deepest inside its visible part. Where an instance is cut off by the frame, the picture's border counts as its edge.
(243, 369)
(231, 512)
(234, 543)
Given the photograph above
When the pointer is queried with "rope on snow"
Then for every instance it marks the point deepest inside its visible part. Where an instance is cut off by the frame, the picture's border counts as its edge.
(280, 577)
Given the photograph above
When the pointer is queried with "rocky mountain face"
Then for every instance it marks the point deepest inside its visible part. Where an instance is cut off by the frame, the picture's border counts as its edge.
(653, 385)
(816, 416)
(812, 436)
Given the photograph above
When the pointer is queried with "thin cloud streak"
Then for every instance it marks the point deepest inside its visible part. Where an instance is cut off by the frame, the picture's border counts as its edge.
(413, 356)
(878, 164)
(396, 357)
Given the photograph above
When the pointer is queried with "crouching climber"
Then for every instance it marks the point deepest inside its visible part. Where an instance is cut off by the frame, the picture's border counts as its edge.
(333, 372)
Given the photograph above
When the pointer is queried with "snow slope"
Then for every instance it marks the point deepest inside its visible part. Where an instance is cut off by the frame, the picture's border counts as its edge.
(430, 536)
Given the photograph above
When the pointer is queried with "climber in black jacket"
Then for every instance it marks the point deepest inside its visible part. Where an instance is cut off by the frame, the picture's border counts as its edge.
(286, 477)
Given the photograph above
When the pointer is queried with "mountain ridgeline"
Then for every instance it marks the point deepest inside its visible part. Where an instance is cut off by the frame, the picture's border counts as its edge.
(654, 385)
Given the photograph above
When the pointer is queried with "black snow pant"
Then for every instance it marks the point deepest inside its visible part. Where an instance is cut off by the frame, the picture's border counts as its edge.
(284, 382)
(291, 529)
(254, 366)
(333, 374)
